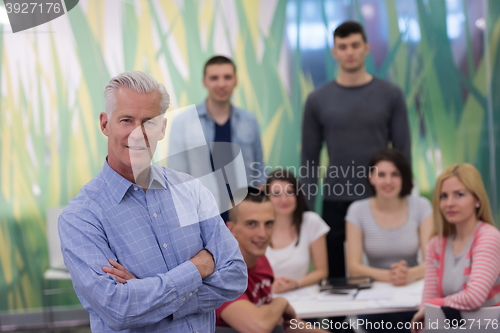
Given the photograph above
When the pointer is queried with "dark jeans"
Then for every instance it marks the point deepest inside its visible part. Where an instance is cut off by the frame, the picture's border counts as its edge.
(334, 215)
(392, 318)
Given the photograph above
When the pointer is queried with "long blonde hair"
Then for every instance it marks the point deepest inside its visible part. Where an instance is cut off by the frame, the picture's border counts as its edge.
(471, 178)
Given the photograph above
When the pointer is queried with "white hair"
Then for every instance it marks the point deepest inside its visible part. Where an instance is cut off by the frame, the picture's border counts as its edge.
(136, 81)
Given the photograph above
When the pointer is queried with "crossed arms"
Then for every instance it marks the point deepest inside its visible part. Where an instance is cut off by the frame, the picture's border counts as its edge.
(174, 292)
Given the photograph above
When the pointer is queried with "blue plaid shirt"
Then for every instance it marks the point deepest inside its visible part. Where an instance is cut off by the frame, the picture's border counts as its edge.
(152, 234)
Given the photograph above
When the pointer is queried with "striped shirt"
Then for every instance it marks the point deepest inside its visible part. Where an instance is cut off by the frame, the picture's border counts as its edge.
(383, 246)
(480, 278)
(153, 234)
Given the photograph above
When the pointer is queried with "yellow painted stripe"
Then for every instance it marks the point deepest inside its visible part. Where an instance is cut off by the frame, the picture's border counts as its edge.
(18, 301)
(251, 8)
(7, 105)
(306, 85)
(80, 161)
(6, 151)
(17, 179)
(5, 252)
(146, 52)
(19, 261)
(95, 18)
(89, 119)
(54, 195)
(176, 24)
(424, 184)
(205, 18)
(244, 81)
(28, 292)
(269, 135)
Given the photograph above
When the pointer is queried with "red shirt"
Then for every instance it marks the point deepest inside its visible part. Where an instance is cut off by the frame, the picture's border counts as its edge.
(260, 279)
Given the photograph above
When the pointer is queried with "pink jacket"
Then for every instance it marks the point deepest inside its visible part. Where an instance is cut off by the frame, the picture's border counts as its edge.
(481, 279)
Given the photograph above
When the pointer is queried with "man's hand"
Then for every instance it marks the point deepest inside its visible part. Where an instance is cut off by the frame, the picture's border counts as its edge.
(120, 273)
(204, 261)
(418, 317)
(284, 284)
(289, 313)
(399, 274)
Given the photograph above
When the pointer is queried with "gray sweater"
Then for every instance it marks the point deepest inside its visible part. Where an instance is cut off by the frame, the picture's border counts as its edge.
(386, 246)
(355, 123)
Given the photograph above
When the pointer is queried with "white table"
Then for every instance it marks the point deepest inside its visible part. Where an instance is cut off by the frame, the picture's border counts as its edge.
(309, 303)
(56, 274)
(56, 315)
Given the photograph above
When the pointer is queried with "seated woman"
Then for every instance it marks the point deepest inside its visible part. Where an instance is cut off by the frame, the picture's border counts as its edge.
(389, 227)
(463, 257)
(299, 236)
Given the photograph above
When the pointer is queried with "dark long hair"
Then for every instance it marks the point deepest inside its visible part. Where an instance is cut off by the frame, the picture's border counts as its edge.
(301, 206)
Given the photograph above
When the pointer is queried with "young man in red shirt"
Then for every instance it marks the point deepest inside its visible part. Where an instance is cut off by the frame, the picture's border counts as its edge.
(252, 224)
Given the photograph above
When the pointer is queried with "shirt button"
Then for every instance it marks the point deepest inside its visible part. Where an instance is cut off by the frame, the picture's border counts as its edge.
(184, 299)
(190, 294)
(155, 215)
(135, 188)
(196, 290)
(165, 245)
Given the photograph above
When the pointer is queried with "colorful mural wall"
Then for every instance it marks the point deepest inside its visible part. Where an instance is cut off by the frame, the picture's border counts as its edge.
(443, 54)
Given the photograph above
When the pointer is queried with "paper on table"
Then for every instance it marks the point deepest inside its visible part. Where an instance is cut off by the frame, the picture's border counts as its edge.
(399, 297)
(337, 295)
(376, 294)
(407, 296)
(302, 294)
(397, 304)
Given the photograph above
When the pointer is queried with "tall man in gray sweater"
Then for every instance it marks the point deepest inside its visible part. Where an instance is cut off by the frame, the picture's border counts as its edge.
(357, 115)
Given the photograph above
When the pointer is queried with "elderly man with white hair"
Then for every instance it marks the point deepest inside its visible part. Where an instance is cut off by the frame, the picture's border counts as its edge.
(145, 245)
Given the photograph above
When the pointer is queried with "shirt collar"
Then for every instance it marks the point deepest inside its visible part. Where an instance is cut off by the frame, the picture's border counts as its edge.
(119, 185)
(202, 110)
(157, 180)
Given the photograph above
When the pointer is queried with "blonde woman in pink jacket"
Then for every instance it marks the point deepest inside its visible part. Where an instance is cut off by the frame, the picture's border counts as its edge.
(463, 258)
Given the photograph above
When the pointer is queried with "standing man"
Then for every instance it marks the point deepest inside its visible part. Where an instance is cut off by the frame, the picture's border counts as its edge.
(356, 115)
(163, 226)
(221, 121)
